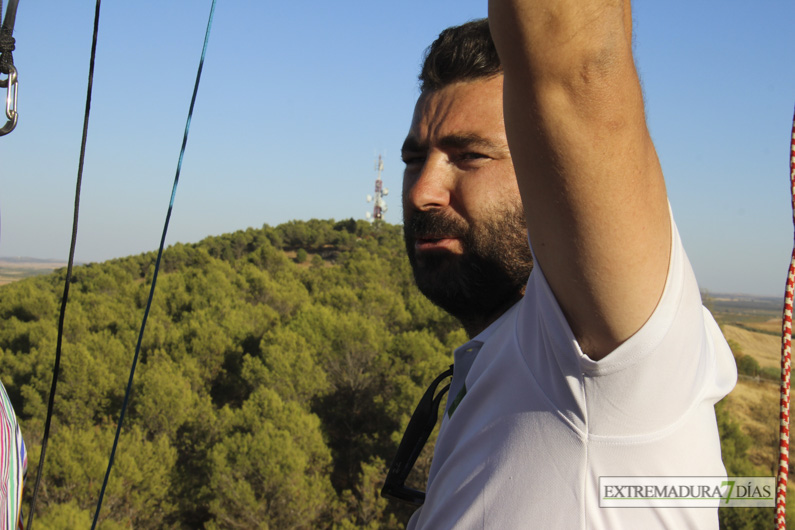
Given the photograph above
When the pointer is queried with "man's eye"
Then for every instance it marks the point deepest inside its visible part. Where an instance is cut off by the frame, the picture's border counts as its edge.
(470, 159)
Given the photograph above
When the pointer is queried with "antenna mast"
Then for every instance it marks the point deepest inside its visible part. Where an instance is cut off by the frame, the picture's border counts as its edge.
(379, 204)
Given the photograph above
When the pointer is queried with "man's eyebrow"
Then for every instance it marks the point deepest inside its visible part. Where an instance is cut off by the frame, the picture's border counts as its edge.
(453, 141)
(412, 145)
(464, 141)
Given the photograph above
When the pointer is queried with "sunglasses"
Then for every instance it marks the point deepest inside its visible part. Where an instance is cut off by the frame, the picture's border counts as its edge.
(419, 429)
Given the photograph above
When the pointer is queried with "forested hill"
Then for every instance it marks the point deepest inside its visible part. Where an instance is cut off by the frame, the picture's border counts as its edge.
(278, 370)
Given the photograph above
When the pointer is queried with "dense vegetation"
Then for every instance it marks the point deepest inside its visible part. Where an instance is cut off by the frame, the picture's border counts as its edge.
(277, 373)
(271, 391)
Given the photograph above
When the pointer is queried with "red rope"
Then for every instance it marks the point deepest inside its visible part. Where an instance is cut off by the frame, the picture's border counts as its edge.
(786, 361)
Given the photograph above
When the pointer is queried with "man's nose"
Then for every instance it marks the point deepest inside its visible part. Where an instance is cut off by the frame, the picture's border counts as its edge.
(429, 186)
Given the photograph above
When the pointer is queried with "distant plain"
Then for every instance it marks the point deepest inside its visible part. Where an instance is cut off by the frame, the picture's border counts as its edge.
(13, 269)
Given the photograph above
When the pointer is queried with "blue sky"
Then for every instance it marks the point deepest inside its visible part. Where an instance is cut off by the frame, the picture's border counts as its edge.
(298, 98)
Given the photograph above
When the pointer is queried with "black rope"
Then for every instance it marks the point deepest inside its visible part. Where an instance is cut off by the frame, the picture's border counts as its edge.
(68, 280)
(6, 38)
(157, 268)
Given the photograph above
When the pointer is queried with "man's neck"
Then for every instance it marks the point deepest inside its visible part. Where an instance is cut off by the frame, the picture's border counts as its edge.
(474, 326)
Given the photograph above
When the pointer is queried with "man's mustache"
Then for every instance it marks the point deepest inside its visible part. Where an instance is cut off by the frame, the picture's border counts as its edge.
(434, 224)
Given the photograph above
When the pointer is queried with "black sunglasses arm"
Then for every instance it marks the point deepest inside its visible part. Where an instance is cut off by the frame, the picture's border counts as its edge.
(419, 429)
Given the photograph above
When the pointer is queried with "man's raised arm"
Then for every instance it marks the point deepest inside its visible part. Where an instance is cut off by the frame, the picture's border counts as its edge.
(591, 184)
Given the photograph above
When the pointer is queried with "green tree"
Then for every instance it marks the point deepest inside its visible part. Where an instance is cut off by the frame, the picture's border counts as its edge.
(137, 492)
(271, 471)
(747, 365)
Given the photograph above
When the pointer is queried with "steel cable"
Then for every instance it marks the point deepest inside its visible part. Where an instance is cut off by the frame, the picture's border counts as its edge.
(157, 268)
(68, 279)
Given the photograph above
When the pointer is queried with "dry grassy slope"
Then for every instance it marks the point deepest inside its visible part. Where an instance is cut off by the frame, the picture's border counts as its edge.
(773, 325)
(755, 404)
(765, 348)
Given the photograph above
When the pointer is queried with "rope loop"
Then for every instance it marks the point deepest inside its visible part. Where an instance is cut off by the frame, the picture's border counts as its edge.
(7, 45)
(6, 39)
(7, 42)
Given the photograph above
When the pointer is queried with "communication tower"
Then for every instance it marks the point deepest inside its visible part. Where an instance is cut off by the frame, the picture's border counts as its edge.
(379, 204)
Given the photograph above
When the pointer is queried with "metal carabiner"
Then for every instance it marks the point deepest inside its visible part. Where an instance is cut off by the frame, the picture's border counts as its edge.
(11, 100)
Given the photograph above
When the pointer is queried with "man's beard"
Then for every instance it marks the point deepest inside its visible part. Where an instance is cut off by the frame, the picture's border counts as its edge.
(490, 274)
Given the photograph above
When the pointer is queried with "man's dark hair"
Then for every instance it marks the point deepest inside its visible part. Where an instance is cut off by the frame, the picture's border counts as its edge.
(460, 53)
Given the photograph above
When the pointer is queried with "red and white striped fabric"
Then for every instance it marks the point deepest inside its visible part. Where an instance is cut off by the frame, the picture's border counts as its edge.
(13, 464)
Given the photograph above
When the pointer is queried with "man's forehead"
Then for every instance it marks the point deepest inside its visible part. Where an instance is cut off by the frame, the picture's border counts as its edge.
(462, 113)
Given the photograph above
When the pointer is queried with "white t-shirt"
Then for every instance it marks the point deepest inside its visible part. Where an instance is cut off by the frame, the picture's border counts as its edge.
(537, 422)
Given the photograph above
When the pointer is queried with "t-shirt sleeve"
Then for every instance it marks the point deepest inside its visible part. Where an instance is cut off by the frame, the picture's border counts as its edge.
(675, 361)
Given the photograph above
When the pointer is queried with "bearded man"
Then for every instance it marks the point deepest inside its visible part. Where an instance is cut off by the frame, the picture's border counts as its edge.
(602, 362)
